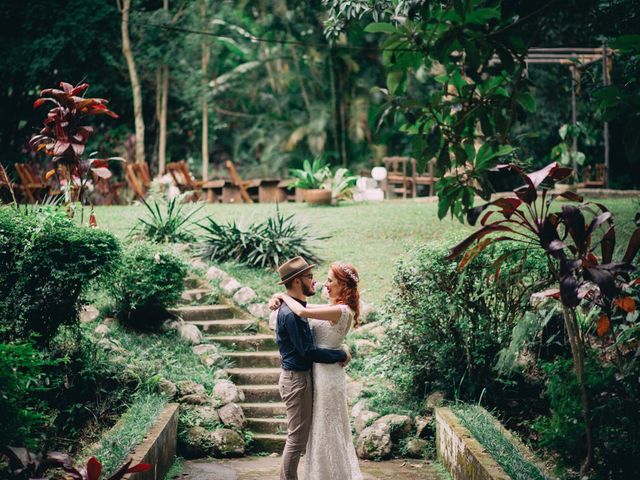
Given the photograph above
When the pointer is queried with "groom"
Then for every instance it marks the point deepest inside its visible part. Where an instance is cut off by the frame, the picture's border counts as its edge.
(297, 353)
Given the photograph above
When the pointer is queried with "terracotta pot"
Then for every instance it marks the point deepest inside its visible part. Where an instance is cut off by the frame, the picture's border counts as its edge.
(317, 197)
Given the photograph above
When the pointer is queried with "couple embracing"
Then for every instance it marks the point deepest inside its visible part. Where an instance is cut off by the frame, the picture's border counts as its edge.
(313, 381)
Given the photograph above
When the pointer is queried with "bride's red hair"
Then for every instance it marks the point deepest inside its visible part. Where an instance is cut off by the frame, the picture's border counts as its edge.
(347, 275)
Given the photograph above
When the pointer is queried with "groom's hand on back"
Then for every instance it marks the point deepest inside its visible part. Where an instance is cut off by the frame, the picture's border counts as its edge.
(347, 360)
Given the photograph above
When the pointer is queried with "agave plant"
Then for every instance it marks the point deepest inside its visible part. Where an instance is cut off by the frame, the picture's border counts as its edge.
(26, 465)
(312, 176)
(260, 245)
(64, 135)
(569, 238)
(174, 225)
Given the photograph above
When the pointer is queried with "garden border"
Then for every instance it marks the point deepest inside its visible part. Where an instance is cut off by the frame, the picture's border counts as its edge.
(460, 453)
(159, 446)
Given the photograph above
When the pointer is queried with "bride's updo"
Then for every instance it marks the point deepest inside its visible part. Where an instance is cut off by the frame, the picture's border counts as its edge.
(347, 275)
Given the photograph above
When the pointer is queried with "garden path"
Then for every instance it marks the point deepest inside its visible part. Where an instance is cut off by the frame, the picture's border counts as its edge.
(253, 349)
(266, 468)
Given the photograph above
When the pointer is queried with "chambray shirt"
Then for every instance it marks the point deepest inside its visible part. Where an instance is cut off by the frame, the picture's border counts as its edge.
(295, 342)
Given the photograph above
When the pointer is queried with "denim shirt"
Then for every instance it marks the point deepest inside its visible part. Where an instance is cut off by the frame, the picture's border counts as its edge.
(295, 342)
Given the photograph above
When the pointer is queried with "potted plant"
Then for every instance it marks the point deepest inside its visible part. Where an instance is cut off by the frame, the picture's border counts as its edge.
(312, 179)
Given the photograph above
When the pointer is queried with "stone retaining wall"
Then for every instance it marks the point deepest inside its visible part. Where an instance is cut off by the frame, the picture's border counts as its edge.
(158, 447)
(460, 453)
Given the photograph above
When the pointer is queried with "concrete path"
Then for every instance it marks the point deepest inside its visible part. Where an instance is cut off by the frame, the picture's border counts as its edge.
(267, 468)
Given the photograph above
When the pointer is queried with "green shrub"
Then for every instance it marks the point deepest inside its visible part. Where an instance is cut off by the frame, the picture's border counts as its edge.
(166, 224)
(260, 245)
(445, 328)
(22, 379)
(47, 263)
(614, 411)
(148, 281)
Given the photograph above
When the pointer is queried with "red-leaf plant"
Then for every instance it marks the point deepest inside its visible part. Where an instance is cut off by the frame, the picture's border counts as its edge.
(64, 135)
(26, 465)
(571, 244)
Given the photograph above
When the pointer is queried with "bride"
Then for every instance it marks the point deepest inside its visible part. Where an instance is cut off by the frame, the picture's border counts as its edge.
(330, 452)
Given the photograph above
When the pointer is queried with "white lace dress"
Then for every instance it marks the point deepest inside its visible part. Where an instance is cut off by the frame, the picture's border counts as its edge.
(330, 452)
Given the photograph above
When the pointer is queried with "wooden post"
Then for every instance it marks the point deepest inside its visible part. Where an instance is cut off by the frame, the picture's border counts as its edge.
(574, 117)
(605, 81)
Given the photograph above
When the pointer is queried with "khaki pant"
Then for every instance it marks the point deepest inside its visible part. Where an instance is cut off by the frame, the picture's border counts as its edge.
(296, 390)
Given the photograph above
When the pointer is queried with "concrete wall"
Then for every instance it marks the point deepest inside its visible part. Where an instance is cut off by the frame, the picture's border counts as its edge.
(159, 446)
(460, 453)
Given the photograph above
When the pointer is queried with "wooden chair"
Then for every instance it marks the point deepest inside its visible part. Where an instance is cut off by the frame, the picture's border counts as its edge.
(598, 182)
(108, 190)
(243, 186)
(184, 180)
(7, 187)
(136, 184)
(430, 179)
(31, 183)
(401, 176)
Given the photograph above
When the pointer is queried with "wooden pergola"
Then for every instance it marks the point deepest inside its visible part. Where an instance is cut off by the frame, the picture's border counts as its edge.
(576, 58)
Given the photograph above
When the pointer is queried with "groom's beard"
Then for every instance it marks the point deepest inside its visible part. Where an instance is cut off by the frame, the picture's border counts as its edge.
(308, 291)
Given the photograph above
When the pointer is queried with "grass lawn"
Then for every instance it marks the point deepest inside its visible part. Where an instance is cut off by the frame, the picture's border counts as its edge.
(372, 236)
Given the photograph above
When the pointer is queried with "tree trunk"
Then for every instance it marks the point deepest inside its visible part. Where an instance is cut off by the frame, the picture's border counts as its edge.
(135, 82)
(205, 103)
(164, 100)
(577, 352)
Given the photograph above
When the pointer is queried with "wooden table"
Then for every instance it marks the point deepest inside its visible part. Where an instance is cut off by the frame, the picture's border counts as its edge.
(213, 190)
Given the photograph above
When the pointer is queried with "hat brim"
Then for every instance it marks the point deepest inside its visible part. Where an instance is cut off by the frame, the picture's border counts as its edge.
(296, 274)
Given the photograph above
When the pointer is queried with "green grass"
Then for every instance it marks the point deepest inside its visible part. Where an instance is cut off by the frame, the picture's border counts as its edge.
(150, 357)
(372, 236)
(484, 429)
(116, 445)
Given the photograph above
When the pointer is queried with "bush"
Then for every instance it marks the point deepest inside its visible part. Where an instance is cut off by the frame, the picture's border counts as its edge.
(614, 415)
(22, 378)
(172, 226)
(263, 244)
(445, 328)
(148, 281)
(47, 263)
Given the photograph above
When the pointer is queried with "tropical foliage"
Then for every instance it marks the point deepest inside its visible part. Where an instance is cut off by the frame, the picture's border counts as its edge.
(166, 223)
(570, 241)
(261, 244)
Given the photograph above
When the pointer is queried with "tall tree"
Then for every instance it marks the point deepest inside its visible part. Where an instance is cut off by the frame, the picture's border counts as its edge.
(205, 103)
(125, 7)
(164, 100)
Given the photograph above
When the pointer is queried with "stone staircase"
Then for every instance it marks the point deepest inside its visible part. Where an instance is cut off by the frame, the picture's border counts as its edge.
(255, 370)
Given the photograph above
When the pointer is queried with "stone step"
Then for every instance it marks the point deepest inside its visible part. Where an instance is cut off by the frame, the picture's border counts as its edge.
(268, 442)
(195, 295)
(203, 312)
(254, 359)
(263, 410)
(246, 342)
(227, 326)
(260, 393)
(254, 376)
(277, 426)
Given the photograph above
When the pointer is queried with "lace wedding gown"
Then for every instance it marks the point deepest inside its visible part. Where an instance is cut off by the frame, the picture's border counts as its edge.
(330, 452)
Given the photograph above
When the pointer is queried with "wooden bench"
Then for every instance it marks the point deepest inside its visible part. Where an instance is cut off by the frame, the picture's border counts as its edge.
(598, 182)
